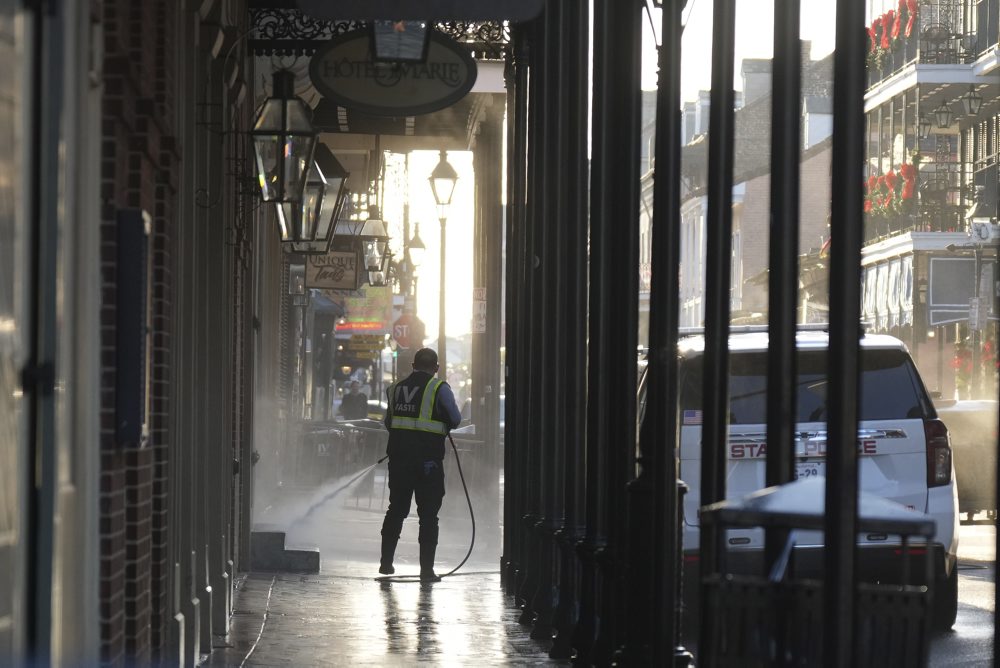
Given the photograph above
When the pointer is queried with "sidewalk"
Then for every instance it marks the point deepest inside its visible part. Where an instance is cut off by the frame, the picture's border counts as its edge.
(340, 620)
(343, 617)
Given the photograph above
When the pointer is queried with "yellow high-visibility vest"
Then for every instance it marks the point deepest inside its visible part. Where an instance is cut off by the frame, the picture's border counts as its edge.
(423, 420)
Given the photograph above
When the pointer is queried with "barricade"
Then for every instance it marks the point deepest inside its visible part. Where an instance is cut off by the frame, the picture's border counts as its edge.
(777, 619)
(328, 451)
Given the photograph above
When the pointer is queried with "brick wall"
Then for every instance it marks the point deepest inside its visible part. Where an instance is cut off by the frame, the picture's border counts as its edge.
(138, 159)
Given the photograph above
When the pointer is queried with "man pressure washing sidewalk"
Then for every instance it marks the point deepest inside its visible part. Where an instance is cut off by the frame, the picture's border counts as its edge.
(422, 410)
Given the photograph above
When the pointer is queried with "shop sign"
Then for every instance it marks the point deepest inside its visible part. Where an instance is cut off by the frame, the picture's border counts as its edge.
(337, 270)
(344, 72)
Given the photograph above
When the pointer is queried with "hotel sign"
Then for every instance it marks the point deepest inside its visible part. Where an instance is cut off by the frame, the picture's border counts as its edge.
(344, 72)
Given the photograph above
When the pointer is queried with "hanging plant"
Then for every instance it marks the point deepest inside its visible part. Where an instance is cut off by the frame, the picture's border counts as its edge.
(888, 194)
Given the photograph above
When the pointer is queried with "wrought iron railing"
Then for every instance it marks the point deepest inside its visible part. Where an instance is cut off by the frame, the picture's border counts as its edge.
(926, 31)
(985, 19)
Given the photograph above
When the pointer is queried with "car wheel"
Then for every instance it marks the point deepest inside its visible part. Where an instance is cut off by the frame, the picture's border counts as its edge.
(946, 601)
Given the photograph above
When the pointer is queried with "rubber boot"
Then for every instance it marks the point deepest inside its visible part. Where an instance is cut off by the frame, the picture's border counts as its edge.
(388, 551)
(427, 551)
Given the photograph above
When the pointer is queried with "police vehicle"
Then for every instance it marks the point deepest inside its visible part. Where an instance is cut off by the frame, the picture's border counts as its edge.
(904, 453)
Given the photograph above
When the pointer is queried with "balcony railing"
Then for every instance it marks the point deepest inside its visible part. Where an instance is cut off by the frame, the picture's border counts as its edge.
(940, 32)
(986, 25)
(938, 207)
(943, 219)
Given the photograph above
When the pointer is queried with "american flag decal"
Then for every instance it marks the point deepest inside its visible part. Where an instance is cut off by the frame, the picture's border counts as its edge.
(691, 417)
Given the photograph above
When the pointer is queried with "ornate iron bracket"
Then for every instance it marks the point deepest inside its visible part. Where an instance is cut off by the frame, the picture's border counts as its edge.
(289, 32)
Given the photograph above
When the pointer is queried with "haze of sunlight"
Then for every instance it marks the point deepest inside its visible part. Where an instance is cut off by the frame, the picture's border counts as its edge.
(754, 39)
(459, 248)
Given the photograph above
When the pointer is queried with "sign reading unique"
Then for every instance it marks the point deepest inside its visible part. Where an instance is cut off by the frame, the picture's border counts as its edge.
(344, 71)
(337, 270)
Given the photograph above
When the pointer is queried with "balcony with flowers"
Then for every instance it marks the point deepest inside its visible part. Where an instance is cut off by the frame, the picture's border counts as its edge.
(914, 197)
(906, 32)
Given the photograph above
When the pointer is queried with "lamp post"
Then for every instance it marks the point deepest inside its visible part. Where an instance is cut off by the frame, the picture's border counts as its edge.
(443, 180)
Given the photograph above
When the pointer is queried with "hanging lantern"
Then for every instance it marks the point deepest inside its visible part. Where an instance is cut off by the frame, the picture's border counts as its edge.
(400, 41)
(380, 278)
(943, 116)
(327, 184)
(972, 101)
(284, 141)
(924, 127)
(374, 244)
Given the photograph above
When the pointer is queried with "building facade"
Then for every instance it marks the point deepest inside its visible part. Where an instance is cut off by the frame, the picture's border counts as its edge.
(931, 190)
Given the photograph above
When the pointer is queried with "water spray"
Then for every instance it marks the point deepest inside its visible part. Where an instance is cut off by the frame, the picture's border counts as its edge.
(472, 517)
(337, 491)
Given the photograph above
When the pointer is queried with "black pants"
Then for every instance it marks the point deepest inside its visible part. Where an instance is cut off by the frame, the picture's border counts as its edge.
(413, 478)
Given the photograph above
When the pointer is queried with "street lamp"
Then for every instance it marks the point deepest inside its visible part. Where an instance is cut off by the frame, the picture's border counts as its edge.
(284, 141)
(416, 247)
(443, 180)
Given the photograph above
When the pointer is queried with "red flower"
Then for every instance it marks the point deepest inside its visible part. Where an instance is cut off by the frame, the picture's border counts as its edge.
(890, 180)
(868, 206)
(907, 189)
(911, 10)
(881, 182)
(887, 201)
(900, 7)
(872, 182)
(896, 25)
(908, 171)
(871, 36)
(886, 25)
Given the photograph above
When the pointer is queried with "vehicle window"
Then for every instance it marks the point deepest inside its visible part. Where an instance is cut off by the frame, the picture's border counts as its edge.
(889, 387)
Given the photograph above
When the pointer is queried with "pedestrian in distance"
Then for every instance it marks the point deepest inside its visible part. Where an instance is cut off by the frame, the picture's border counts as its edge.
(421, 412)
(354, 406)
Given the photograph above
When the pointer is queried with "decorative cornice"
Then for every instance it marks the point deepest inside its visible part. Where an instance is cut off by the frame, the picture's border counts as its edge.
(279, 31)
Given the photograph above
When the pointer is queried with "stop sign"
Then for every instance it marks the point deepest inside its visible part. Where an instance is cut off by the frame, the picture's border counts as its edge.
(402, 330)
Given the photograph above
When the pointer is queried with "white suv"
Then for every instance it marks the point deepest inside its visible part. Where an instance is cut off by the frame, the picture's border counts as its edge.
(904, 452)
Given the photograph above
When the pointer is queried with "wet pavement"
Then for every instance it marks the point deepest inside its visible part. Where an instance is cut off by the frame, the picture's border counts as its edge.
(339, 620)
(342, 616)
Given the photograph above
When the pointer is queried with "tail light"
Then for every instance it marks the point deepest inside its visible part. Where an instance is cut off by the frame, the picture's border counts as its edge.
(938, 453)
